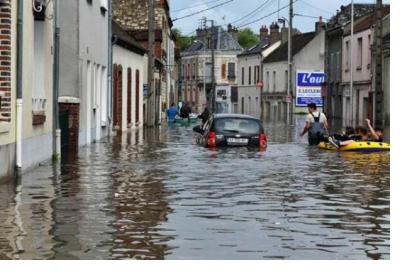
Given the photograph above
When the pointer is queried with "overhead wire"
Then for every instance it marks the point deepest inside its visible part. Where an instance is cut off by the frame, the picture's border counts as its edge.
(315, 7)
(204, 10)
(265, 16)
(198, 4)
(255, 11)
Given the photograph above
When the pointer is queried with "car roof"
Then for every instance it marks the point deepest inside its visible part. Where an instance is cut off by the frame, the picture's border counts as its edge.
(239, 116)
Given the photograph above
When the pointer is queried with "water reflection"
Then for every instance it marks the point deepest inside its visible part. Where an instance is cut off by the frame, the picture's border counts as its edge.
(154, 194)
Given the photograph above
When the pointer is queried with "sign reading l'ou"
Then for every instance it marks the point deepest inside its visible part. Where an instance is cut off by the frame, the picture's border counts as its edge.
(309, 87)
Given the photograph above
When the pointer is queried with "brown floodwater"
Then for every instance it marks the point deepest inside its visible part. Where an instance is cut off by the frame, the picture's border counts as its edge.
(154, 194)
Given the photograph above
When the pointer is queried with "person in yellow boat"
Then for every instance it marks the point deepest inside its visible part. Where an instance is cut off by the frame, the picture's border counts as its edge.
(375, 135)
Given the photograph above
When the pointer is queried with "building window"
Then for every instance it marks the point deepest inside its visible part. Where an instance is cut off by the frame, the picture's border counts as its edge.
(189, 72)
(223, 71)
(231, 71)
(38, 93)
(274, 81)
(243, 75)
(359, 53)
(193, 71)
(256, 75)
(250, 75)
(267, 82)
(208, 70)
(347, 56)
(369, 58)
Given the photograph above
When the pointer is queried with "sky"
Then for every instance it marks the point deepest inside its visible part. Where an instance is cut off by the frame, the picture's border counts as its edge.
(236, 9)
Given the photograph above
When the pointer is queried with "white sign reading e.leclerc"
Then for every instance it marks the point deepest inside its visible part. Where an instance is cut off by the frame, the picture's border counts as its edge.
(309, 87)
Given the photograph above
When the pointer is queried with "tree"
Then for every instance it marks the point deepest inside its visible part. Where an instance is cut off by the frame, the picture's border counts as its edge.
(247, 38)
(182, 42)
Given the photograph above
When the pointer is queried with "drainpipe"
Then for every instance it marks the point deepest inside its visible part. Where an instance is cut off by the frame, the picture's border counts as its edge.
(19, 97)
(109, 83)
(56, 78)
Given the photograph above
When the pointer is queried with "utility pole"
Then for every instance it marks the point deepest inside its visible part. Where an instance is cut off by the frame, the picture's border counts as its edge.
(289, 89)
(151, 108)
(213, 68)
(378, 61)
(351, 63)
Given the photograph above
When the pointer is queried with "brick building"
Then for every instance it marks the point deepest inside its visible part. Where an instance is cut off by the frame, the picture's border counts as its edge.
(132, 16)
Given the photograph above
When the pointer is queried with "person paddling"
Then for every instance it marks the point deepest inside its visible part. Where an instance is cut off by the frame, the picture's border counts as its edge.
(316, 125)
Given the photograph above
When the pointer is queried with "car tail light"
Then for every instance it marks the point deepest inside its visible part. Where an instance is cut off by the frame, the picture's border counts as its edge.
(263, 141)
(211, 139)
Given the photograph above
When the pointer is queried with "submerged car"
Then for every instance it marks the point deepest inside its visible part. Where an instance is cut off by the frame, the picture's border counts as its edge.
(223, 130)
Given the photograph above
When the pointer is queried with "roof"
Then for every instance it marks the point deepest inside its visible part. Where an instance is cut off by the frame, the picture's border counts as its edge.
(299, 41)
(223, 40)
(257, 48)
(366, 22)
(121, 38)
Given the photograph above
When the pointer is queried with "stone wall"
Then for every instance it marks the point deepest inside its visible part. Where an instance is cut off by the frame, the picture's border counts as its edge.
(133, 14)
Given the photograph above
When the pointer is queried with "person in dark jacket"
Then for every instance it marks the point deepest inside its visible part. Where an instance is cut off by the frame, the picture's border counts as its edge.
(185, 111)
(205, 115)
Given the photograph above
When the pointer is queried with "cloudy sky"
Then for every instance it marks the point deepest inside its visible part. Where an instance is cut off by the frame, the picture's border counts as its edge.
(235, 10)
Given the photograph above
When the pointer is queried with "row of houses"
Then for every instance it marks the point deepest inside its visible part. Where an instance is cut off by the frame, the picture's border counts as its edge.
(255, 81)
(72, 72)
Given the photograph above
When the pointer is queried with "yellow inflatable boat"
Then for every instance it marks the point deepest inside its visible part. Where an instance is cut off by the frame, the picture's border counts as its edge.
(359, 146)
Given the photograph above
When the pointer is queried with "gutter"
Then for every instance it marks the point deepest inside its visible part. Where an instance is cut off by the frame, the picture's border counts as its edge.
(56, 83)
(110, 108)
(19, 95)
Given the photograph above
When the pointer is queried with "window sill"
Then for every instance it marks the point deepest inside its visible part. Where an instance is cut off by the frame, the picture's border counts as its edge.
(4, 127)
(39, 118)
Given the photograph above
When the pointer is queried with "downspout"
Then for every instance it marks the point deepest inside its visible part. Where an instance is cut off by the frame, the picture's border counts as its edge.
(19, 97)
(56, 78)
(110, 58)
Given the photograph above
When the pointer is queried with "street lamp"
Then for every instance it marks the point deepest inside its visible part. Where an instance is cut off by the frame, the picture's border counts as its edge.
(283, 20)
(204, 68)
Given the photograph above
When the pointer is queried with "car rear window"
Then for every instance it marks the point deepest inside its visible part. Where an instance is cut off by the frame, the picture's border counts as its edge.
(237, 125)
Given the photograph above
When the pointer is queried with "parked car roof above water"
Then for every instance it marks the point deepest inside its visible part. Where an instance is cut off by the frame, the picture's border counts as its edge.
(242, 116)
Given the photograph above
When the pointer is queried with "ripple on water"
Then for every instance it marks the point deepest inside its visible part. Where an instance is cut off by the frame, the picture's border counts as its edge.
(154, 194)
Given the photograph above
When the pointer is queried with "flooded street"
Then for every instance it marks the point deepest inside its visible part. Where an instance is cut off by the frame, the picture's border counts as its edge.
(154, 194)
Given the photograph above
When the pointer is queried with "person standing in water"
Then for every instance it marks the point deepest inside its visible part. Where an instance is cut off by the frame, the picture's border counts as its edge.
(172, 112)
(205, 115)
(316, 125)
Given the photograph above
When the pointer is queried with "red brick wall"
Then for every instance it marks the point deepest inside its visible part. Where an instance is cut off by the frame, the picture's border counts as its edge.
(5, 61)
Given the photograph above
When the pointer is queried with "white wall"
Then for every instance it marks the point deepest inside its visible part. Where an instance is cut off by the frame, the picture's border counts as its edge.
(250, 93)
(134, 61)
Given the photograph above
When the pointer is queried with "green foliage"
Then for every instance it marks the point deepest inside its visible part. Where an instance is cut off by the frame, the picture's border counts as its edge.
(247, 38)
(182, 42)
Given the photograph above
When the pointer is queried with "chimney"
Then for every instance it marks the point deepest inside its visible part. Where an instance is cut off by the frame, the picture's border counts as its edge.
(263, 32)
(274, 33)
(319, 25)
(233, 31)
(284, 32)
